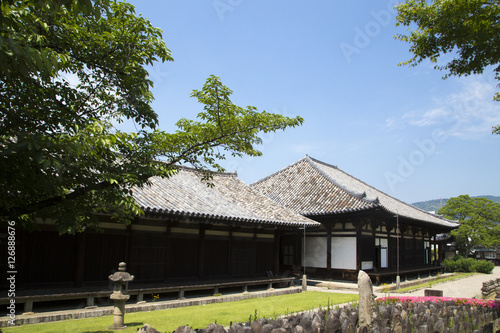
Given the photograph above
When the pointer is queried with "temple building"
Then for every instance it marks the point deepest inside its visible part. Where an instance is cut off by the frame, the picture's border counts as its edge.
(361, 227)
(310, 214)
(190, 231)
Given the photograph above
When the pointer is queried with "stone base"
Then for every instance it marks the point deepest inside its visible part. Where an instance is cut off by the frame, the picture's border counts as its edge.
(36, 318)
(117, 328)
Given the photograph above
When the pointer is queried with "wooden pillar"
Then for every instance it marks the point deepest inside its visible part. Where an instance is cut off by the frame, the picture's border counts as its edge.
(22, 255)
(201, 252)
(435, 248)
(276, 251)
(429, 253)
(230, 253)
(297, 254)
(358, 246)
(376, 248)
(329, 246)
(128, 246)
(79, 259)
(388, 228)
(414, 254)
(168, 257)
(403, 261)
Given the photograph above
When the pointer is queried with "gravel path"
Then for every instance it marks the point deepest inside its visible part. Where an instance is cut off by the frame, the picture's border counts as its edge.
(469, 287)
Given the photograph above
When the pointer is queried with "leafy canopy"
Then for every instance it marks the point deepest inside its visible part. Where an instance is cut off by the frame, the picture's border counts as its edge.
(478, 218)
(71, 71)
(468, 29)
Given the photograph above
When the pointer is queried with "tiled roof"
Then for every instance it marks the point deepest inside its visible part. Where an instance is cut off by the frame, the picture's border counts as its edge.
(229, 200)
(311, 187)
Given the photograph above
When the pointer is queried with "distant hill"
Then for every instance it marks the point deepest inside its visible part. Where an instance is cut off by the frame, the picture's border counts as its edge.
(434, 205)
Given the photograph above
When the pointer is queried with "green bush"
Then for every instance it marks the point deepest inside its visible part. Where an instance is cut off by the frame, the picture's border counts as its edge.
(484, 266)
(450, 265)
(461, 264)
(465, 265)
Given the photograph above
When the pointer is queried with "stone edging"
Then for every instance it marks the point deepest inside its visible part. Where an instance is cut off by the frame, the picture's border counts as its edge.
(26, 319)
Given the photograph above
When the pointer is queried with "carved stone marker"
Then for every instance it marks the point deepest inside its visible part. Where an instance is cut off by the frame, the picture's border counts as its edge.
(120, 295)
(365, 299)
(433, 293)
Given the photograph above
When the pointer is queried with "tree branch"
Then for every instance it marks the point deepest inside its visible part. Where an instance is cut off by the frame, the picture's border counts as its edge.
(36, 206)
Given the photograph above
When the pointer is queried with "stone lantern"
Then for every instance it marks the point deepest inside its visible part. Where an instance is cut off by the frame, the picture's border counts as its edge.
(120, 295)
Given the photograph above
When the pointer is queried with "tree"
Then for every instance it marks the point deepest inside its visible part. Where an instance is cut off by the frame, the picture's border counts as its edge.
(478, 218)
(70, 71)
(470, 29)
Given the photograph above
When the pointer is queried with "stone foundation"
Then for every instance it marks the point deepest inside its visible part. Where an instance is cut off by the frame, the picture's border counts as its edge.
(37, 318)
(444, 317)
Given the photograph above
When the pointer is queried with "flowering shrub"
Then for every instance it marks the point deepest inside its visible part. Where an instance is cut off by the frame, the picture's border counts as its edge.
(458, 301)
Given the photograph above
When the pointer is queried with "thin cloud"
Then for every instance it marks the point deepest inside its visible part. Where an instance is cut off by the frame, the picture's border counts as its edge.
(393, 123)
(469, 113)
(431, 117)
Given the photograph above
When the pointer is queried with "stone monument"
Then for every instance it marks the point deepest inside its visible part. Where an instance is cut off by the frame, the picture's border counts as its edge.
(120, 295)
(366, 299)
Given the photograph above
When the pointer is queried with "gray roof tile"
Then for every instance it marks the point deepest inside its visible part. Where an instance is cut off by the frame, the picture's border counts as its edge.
(311, 187)
(229, 199)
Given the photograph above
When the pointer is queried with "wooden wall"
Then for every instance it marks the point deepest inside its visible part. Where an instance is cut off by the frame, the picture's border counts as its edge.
(366, 229)
(44, 257)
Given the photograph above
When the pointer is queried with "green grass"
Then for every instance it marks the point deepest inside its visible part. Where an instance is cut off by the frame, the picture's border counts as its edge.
(197, 316)
(433, 282)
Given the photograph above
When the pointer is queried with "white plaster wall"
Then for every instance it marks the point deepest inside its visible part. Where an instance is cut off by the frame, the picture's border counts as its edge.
(315, 255)
(343, 252)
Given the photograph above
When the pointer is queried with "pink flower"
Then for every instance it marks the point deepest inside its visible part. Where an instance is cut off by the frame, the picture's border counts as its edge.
(459, 301)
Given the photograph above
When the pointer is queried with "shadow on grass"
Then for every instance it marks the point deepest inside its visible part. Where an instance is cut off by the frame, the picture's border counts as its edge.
(112, 331)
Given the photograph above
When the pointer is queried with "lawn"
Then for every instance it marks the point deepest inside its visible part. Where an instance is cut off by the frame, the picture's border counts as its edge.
(197, 316)
(456, 276)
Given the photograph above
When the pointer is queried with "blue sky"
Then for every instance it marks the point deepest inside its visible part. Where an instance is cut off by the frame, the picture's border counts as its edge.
(405, 131)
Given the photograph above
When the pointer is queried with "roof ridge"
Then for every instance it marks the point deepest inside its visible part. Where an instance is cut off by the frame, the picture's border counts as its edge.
(360, 196)
(279, 171)
(382, 192)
